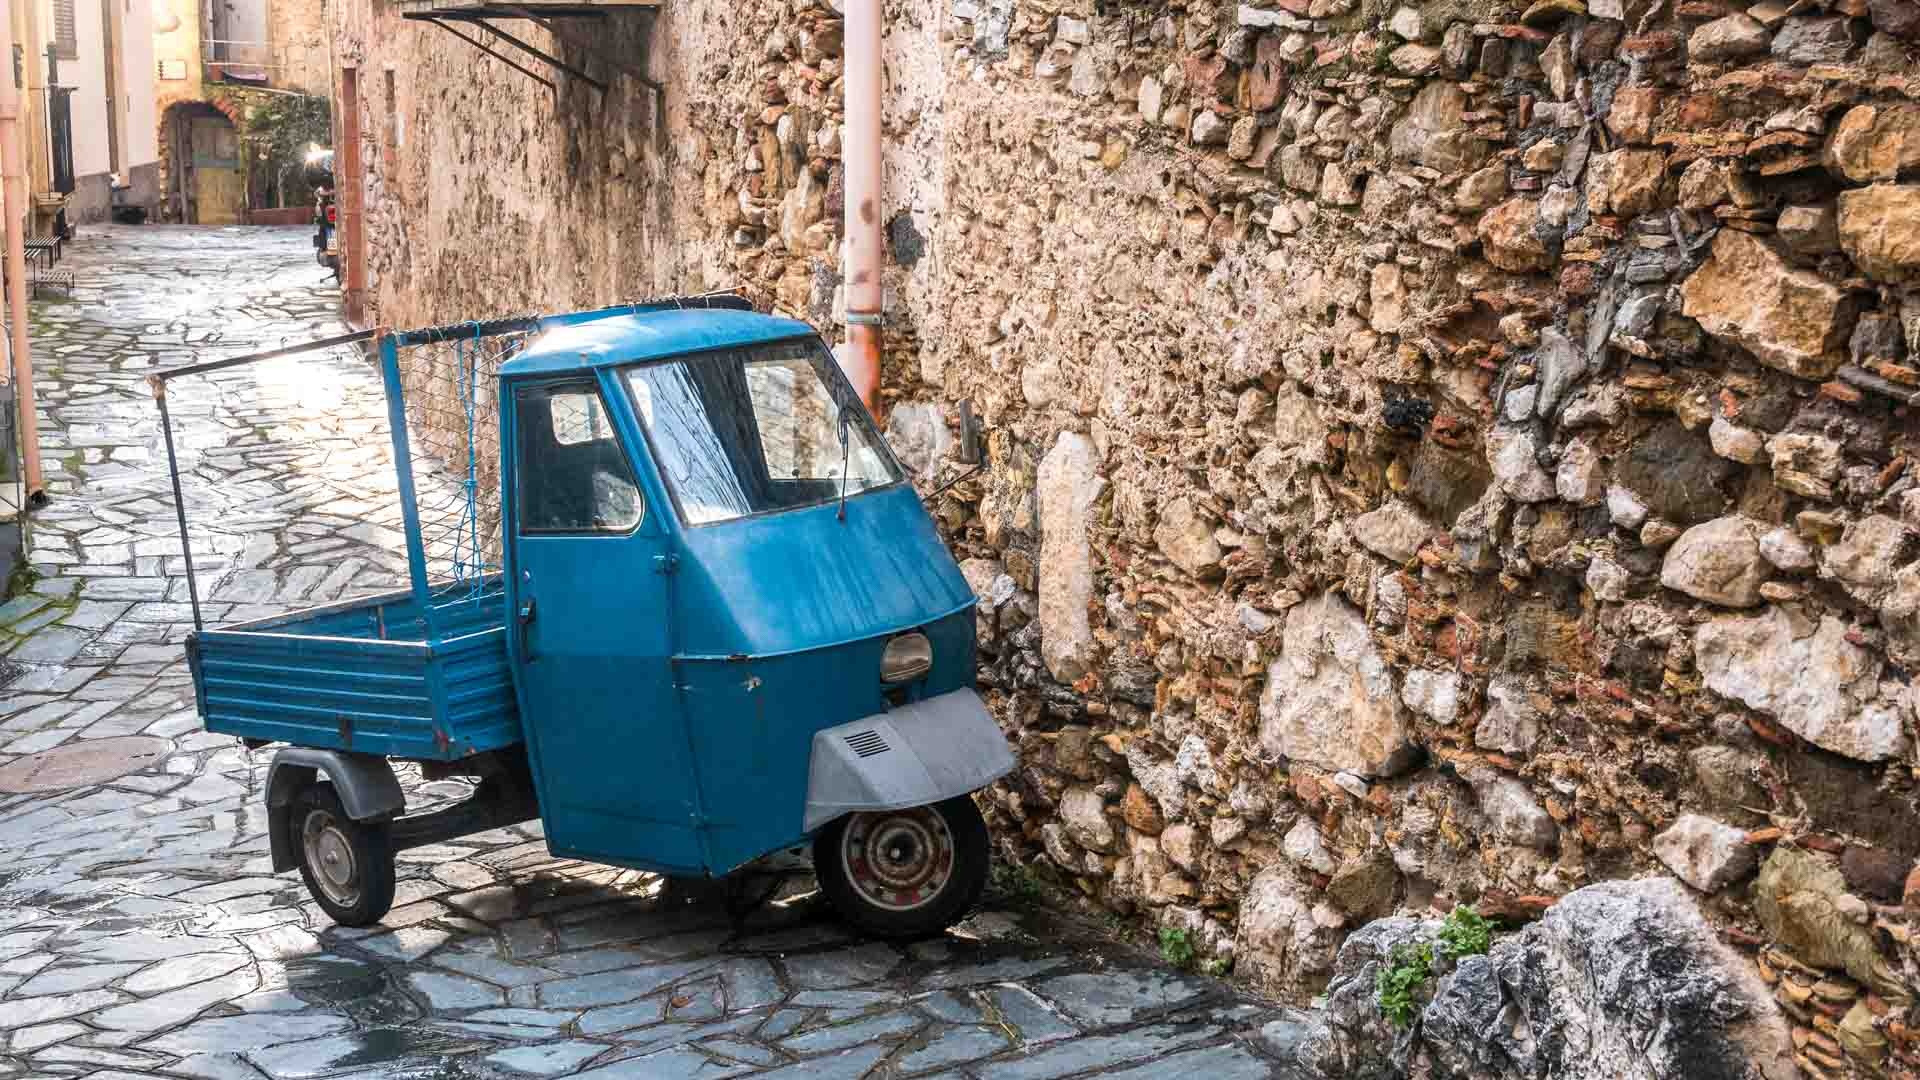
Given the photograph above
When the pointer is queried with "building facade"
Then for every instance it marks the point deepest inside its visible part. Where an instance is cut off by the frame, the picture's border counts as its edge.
(85, 72)
(211, 62)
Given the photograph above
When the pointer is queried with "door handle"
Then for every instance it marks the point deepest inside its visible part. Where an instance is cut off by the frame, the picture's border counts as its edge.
(525, 619)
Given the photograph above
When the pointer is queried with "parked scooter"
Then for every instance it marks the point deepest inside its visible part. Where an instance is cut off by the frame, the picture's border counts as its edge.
(326, 244)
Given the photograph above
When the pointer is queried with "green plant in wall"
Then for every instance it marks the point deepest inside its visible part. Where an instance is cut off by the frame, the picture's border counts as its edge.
(1465, 933)
(1396, 986)
(1176, 947)
(1015, 883)
(1399, 980)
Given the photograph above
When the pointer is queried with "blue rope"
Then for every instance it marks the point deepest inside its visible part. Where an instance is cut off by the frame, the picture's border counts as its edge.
(470, 567)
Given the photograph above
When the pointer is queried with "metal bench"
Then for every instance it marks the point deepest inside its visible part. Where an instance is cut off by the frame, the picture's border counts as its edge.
(59, 279)
(44, 250)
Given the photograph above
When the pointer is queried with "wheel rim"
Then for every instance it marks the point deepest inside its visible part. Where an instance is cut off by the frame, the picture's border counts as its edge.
(899, 860)
(329, 855)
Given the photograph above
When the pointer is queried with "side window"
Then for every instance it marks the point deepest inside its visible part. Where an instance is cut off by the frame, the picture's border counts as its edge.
(574, 476)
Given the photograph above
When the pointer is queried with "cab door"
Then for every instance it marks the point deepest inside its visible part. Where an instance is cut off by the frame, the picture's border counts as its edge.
(591, 635)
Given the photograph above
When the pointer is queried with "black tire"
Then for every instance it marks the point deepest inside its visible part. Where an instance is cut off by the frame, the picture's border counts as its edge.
(354, 884)
(948, 890)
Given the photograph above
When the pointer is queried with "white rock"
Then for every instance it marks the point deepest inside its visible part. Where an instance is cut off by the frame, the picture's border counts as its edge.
(1225, 832)
(1158, 778)
(1705, 853)
(1734, 442)
(1395, 531)
(1352, 784)
(1297, 426)
(1433, 694)
(1262, 17)
(1208, 128)
(1625, 508)
(1305, 846)
(1279, 940)
(1511, 724)
(1152, 94)
(917, 432)
(1808, 677)
(1515, 468)
(1518, 404)
(1330, 698)
(1783, 548)
(1071, 30)
(1084, 813)
(1039, 381)
(1802, 462)
(1194, 764)
(1067, 486)
(1186, 537)
(1387, 292)
(1562, 364)
(1581, 479)
(1515, 815)
(1059, 847)
(1608, 580)
(1718, 561)
(1866, 556)
(1253, 620)
(1181, 843)
(1406, 23)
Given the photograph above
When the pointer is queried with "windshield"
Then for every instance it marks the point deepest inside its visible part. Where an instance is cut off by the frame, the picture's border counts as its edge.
(756, 429)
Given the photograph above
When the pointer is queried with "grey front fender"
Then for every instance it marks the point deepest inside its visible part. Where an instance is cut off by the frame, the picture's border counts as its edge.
(910, 756)
(366, 785)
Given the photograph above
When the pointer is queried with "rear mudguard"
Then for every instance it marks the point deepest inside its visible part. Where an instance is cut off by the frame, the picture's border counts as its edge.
(912, 755)
(366, 785)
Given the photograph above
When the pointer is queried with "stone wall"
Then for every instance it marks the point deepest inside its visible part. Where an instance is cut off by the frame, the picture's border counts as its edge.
(1441, 454)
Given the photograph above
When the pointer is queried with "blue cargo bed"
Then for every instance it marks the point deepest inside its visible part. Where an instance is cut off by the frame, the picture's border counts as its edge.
(366, 676)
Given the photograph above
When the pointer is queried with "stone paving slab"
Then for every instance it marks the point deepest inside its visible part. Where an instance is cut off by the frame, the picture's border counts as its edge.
(142, 931)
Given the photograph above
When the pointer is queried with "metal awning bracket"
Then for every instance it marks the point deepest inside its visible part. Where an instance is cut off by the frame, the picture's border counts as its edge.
(552, 61)
(490, 51)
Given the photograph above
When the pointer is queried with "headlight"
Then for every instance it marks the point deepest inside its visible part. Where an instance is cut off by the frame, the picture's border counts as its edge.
(908, 657)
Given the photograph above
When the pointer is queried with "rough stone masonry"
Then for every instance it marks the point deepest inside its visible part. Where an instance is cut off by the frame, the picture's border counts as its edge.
(1440, 453)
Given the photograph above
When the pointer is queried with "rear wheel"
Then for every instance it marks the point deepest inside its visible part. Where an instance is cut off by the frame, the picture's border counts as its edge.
(904, 873)
(347, 864)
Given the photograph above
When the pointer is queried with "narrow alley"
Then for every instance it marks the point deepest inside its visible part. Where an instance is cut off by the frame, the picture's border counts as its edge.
(142, 933)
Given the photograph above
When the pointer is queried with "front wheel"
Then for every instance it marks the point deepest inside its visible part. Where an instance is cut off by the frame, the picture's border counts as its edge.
(904, 873)
(347, 864)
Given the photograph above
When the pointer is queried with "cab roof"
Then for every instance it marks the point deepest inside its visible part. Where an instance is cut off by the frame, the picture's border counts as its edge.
(597, 339)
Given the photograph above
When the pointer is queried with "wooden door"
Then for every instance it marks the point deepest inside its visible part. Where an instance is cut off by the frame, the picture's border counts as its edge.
(219, 187)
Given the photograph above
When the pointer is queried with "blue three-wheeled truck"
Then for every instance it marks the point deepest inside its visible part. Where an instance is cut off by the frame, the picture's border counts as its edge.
(721, 626)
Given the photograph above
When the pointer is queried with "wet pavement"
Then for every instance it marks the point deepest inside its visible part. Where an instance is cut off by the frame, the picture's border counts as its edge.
(142, 931)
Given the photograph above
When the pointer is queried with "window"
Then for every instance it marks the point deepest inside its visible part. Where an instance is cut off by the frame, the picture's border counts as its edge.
(574, 476)
(757, 429)
(66, 39)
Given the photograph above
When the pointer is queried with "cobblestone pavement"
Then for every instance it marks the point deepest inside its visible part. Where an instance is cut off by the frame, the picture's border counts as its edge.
(142, 932)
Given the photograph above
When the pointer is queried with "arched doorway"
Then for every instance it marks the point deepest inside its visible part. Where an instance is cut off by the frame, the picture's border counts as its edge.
(205, 178)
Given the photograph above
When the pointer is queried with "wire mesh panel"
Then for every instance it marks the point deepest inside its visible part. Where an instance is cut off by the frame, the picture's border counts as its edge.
(286, 487)
(449, 384)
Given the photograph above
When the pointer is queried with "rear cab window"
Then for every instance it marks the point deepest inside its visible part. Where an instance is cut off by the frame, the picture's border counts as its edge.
(574, 475)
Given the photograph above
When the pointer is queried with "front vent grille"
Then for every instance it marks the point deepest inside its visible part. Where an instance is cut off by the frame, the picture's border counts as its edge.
(867, 743)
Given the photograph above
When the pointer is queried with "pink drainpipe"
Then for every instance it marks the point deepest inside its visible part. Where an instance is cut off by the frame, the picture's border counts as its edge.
(860, 157)
(13, 204)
